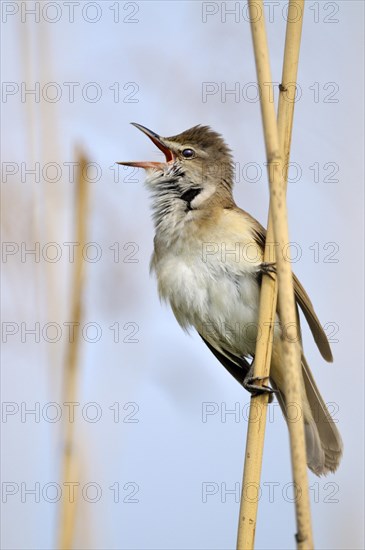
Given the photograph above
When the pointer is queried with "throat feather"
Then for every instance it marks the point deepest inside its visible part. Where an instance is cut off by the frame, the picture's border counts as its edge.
(189, 195)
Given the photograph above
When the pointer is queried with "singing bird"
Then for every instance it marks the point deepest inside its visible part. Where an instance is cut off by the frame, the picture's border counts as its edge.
(208, 259)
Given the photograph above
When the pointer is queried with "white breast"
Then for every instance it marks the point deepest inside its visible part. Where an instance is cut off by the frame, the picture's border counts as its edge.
(216, 293)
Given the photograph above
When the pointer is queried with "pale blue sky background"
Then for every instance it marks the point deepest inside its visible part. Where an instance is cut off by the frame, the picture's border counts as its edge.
(163, 58)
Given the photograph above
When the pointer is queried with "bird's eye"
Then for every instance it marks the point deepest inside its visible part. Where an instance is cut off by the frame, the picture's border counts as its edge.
(188, 153)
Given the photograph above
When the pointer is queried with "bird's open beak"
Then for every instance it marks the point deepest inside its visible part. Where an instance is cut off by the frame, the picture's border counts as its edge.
(158, 141)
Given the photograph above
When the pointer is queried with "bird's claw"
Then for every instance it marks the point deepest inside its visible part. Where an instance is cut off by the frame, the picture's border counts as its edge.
(255, 389)
(267, 267)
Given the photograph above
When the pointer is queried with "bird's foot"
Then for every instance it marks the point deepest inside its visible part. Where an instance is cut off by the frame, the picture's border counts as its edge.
(267, 268)
(249, 383)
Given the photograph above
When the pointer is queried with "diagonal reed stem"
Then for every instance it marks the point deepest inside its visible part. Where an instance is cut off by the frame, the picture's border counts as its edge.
(277, 141)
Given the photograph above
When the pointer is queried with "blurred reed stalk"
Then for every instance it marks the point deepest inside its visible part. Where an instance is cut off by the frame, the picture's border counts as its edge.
(277, 141)
(70, 469)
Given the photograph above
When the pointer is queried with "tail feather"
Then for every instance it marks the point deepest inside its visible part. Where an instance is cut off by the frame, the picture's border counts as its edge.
(316, 458)
(321, 431)
(323, 441)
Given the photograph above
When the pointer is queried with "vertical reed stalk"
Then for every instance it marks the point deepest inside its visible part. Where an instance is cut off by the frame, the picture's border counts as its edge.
(277, 140)
(70, 467)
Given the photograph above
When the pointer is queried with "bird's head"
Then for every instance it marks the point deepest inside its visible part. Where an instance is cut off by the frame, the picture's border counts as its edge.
(197, 166)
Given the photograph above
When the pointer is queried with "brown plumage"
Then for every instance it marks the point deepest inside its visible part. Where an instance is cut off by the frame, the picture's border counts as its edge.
(193, 209)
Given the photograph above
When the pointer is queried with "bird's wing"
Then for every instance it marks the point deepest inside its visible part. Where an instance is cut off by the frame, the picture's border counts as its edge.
(314, 324)
(238, 367)
(302, 299)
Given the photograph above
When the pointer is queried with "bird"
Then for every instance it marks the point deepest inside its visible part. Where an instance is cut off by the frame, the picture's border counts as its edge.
(208, 259)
